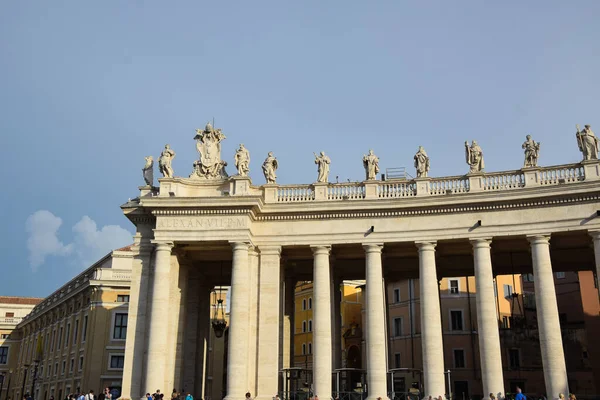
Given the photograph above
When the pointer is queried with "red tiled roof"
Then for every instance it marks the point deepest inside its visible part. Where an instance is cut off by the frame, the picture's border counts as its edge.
(126, 248)
(20, 300)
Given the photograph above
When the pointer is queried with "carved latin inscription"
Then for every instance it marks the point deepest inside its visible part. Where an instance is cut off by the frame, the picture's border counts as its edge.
(201, 223)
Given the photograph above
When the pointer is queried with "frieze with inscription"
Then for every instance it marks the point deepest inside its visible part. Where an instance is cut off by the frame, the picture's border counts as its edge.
(202, 223)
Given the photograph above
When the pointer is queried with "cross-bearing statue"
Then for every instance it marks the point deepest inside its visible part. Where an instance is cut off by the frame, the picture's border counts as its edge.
(421, 163)
(208, 144)
(148, 171)
(371, 164)
(164, 162)
(588, 143)
(474, 156)
(242, 160)
(532, 152)
(323, 167)
(269, 167)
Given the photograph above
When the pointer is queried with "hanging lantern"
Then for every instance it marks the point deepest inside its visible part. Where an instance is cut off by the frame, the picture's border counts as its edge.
(218, 320)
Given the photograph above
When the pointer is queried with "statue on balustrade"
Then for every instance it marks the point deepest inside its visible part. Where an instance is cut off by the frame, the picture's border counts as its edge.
(148, 171)
(421, 163)
(532, 152)
(323, 166)
(588, 143)
(474, 156)
(208, 144)
(164, 162)
(269, 167)
(371, 164)
(242, 160)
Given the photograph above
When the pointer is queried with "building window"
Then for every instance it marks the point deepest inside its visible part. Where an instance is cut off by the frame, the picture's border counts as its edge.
(116, 362)
(310, 325)
(560, 275)
(4, 355)
(453, 286)
(508, 291)
(398, 326)
(396, 295)
(52, 341)
(459, 358)
(303, 304)
(303, 326)
(5, 336)
(84, 333)
(120, 331)
(123, 298)
(528, 277)
(309, 348)
(67, 338)
(42, 371)
(397, 360)
(55, 369)
(505, 322)
(456, 320)
(64, 367)
(303, 348)
(514, 358)
(80, 363)
(9, 315)
(72, 365)
(76, 331)
(310, 303)
(59, 338)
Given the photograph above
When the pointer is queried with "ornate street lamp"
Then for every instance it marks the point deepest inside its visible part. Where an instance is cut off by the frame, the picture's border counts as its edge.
(218, 319)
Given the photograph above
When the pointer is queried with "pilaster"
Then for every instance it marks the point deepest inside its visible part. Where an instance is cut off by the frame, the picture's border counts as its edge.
(422, 186)
(591, 169)
(532, 176)
(475, 181)
(239, 185)
(322, 357)
(371, 189)
(320, 190)
(270, 192)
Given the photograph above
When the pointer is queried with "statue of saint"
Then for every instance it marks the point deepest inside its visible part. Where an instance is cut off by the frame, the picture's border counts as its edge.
(164, 162)
(532, 152)
(588, 143)
(242, 160)
(371, 164)
(421, 163)
(148, 171)
(474, 156)
(269, 167)
(323, 166)
(208, 144)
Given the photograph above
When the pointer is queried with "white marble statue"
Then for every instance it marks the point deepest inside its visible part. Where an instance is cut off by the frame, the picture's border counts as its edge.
(323, 163)
(474, 156)
(588, 143)
(208, 144)
(164, 162)
(371, 164)
(148, 171)
(242, 160)
(421, 163)
(532, 152)
(269, 167)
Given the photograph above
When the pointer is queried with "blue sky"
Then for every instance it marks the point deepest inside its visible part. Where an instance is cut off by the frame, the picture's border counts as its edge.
(87, 89)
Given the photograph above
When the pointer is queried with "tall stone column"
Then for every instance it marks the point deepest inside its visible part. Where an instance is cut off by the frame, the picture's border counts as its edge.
(203, 327)
(136, 328)
(237, 356)
(487, 321)
(158, 327)
(376, 352)
(288, 322)
(596, 239)
(336, 321)
(253, 270)
(322, 322)
(431, 324)
(268, 322)
(553, 356)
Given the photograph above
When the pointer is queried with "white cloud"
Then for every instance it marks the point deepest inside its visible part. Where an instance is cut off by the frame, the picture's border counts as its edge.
(88, 245)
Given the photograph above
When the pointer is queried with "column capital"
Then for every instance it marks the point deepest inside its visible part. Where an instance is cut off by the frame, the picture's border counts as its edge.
(426, 245)
(240, 245)
(270, 250)
(481, 243)
(321, 249)
(539, 239)
(594, 234)
(373, 247)
(162, 245)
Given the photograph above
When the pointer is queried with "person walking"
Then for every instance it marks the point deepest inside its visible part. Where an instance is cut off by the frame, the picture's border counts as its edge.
(520, 395)
(189, 396)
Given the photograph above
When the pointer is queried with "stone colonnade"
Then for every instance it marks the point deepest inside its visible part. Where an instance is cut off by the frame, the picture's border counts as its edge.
(259, 307)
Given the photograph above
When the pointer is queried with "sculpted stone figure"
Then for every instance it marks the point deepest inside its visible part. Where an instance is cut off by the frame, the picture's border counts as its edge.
(588, 143)
(269, 167)
(148, 171)
(208, 144)
(164, 162)
(474, 156)
(323, 166)
(371, 164)
(532, 152)
(421, 163)
(242, 160)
